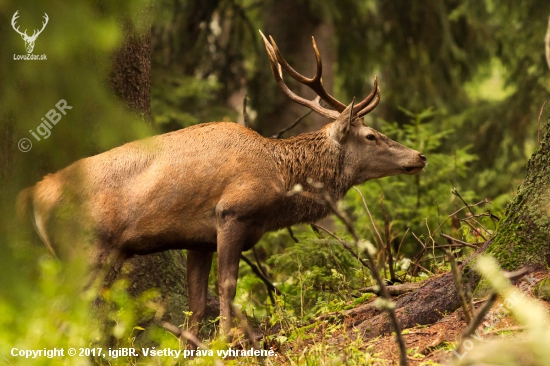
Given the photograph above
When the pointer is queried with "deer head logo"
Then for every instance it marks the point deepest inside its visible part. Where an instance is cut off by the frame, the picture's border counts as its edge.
(29, 40)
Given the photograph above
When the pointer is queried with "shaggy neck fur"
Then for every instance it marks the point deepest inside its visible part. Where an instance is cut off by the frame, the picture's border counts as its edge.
(312, 155)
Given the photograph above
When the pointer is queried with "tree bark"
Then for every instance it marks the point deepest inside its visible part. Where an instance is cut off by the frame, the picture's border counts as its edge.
(523, 236)
(131, 75)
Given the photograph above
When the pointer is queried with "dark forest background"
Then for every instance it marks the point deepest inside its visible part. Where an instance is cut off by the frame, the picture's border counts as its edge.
(461, 81)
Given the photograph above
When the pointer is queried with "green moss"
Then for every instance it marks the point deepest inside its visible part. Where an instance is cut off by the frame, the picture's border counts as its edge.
(363, 299)
(524, 233)
(303, 333)
(542, 289)
(483, 289)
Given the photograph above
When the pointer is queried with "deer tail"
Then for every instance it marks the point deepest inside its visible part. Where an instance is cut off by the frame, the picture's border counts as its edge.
(24, 205)
(26, 212)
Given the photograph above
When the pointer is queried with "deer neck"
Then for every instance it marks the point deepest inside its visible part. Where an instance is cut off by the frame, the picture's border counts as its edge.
(312, 157)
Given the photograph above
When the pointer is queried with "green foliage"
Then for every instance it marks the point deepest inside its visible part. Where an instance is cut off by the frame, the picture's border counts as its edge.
(180, 101)
(202, 55)
(422, 202)
(43, 301)
(362, 299)
(50, 316)
(57, 314)
(316, 274)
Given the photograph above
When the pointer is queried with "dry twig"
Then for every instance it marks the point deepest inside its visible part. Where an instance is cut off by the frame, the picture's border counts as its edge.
(370, 216)
(291, 233)
(418, 257)
(388, 241)
(547, 44)
(403, 361)
(188, 336)
(401, 242)
(458, 284)
(394, 290)
(271, 289)
(456, 212)
(298, 120)
(480, 315)
(456, 193)
(344, 244)
(462, 243)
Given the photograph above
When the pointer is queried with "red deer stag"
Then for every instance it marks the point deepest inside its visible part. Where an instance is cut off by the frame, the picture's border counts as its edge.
(212, 187)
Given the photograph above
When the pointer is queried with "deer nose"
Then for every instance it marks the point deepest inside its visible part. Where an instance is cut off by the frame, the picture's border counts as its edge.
(422, 157)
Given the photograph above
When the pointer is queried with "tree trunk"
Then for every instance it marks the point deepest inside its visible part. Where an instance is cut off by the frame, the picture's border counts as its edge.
(166, 271)
(523, 236)
(131, 75)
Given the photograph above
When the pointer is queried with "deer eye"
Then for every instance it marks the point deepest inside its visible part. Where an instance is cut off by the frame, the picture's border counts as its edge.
(371, 137)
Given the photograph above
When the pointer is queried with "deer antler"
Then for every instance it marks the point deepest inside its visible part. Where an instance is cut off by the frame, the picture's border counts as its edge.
(35, 34)
(278, 75)
(24, 34)
(13, 21)
(365, 106)
(316, 84)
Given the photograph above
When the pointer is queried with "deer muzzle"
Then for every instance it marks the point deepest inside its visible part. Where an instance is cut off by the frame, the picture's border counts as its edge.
(417, 166)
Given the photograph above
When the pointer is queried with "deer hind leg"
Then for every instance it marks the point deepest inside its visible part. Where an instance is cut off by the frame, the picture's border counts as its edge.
(104, 269)
(198, 269)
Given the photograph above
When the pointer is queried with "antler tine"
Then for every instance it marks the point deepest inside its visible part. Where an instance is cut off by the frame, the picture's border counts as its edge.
(46, 18)
(315, 83)
(371, 106)
(13, 23)
(352, 108)
(362, 104)
(277, 74)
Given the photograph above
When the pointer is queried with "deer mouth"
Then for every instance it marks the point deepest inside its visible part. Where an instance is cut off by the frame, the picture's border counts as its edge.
(413, 169)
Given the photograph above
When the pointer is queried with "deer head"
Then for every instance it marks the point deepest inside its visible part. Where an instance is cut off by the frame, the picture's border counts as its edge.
(369, 154)
(29, 40)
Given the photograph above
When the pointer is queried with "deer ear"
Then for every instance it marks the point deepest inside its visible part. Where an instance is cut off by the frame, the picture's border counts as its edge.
(340, 127)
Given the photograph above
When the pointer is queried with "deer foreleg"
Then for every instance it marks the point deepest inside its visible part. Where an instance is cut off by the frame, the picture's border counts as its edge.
(230, 245)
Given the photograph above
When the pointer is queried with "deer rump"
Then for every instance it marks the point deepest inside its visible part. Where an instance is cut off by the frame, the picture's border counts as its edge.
(211, 187)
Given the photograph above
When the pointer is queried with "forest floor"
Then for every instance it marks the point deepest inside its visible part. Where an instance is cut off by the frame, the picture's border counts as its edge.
(330, 341)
